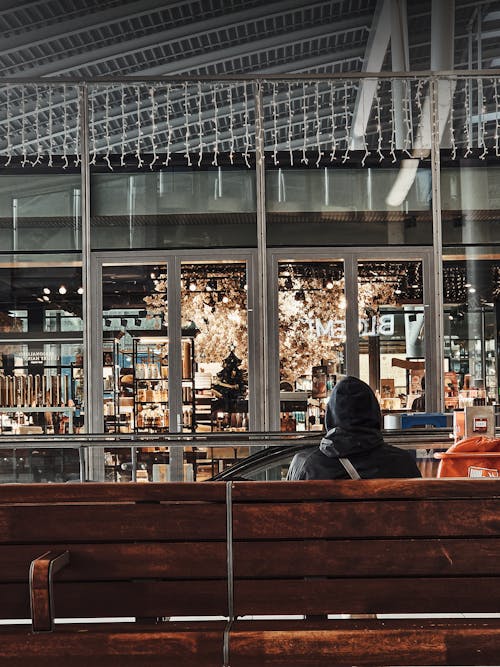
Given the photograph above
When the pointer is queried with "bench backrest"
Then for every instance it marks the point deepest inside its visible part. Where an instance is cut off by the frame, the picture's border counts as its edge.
(374, 546)
(144, 550)
(214, 549)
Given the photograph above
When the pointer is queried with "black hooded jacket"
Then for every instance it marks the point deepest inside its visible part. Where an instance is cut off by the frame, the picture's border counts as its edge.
(353, 423)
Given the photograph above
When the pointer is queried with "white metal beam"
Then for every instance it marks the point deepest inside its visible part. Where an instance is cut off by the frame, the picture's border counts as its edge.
(376, 49)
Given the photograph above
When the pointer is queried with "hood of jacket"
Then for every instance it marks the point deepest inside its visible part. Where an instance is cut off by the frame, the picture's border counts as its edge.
(353, 419)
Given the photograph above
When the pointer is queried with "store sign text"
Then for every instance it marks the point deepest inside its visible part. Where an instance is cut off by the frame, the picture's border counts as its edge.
(370, 326)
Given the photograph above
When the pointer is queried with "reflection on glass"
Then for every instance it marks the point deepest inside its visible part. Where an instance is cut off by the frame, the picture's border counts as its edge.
(135, 349)
(391, 326)
(471, 329)
(214, 313)
(41, 212)
(41, 343)
(311, 302)
(174, 208)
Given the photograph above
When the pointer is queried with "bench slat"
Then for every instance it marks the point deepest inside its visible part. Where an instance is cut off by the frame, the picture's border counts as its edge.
(112, 492)
(372, 518)
(373, 643)
(113, 645)
(123, 598)
(366, 489)
(94, 562)
(382, 558)
(104, 523)
(365, 595)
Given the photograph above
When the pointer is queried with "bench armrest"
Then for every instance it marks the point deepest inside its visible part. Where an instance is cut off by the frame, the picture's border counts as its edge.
(42, 571)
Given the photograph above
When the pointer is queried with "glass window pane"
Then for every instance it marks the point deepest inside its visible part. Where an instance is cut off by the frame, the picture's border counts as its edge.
(41, 345)
(339, 206)
(215, 332)
(42, 212)
(391, 326)
(174, 208)
(471, 309)
(135, 349)
(311, 301)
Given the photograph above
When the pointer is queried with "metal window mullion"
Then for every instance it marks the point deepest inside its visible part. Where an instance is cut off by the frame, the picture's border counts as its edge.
(176, 454)
(435, 337)
(352, 318)
(262, 423)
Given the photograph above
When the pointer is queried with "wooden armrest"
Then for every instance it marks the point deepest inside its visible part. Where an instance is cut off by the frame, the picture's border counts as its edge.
(42, 570)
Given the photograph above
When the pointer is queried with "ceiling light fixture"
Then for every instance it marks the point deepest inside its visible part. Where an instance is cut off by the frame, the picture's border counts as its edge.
(62, 290)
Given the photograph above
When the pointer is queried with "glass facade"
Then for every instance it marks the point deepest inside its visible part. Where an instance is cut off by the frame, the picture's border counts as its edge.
(385, 250)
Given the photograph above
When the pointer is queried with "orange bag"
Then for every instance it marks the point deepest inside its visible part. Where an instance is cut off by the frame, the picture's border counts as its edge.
(472, 457)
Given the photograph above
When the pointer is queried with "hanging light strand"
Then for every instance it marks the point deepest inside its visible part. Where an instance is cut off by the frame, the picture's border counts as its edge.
(451, 126)
(392, 140)
(247, 126)
(124, 125)
(275, 126)
(347, 129)
(50, 125)
(408, 143)
(467, 119)
(200, 125)
(215, 161)
(93, 147)
(231, 123)
(65, 126)
(318, 124)
(168, 125)
(304, 159)
(154, 114)
(484, 131)
(332, 123)
(378, 122)
(36, 112)
(186, 125)
(365, 142)
(78, 149)
(140, 161)
(107, 130)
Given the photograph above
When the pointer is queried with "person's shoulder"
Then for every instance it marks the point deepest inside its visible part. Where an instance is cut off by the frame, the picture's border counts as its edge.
(298, 462)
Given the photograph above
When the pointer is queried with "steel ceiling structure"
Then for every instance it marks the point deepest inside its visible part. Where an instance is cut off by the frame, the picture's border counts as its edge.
(143, 38)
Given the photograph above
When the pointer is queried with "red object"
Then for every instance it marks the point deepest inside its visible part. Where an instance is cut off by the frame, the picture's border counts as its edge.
(472, 457)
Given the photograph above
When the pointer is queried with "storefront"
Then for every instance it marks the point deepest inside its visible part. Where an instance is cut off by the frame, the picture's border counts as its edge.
(186, 279)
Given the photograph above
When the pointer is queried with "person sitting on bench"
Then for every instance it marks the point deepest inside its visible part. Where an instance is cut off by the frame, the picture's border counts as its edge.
(353, 445)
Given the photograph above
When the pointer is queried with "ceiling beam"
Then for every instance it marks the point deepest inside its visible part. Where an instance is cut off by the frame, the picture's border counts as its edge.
(70, 63)
(376, 49)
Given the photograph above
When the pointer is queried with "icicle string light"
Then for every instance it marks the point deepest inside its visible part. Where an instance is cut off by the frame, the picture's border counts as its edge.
(304, 159)
(347, 135)
(38, 158)
(168, 125)
(332, 123)
(215, 162)
(140, 161)
(154, 115)
(124, 125)
(65, 127)
(303, 118)
(186, 126)
(231, 123)
(107, 130)
(378, 122)
(200, 125)
(290, 123)
(275, 126)
(392, 140)
(467, 119)
(318, 123)
(247, 127)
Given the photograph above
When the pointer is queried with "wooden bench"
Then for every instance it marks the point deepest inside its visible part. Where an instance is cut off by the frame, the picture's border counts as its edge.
(234, 551)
